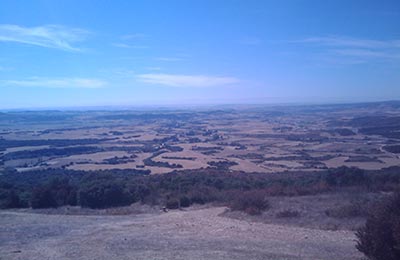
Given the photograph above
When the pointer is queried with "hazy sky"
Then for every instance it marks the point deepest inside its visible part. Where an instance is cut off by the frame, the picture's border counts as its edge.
(78, 53)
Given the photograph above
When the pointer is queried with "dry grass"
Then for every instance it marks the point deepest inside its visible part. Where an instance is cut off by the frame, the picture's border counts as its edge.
(191, 234)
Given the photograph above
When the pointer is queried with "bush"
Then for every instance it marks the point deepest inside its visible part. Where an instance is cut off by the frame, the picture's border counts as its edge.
(172, 203)
(350, 210)
(12, 200)
(57, 192)
(202, 195)
(288, 214)
(123, 187)
(63, 192)
(344, 176)
(104, 195)
(42, 197)
(251, 202)
(185, 202)
(379, 239)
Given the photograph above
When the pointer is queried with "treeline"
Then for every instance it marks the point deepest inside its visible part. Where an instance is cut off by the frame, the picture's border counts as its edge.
(102, 189)
(222, 165)
(48, 152)
(387, 126)
(392, 148)
(75, 150)
(6, 143)
(150, 162)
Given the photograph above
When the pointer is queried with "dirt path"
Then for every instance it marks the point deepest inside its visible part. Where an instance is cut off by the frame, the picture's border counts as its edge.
(193, 234)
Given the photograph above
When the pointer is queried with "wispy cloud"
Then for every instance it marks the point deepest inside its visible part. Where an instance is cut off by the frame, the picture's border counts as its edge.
(134, 36)
(132, 41)
(352, 42)
(366, 53)
(48, 36)
(129, 46)
(174, 80)
(153, 68)
(168, 59)
(354, 47)
(56, 82)
(112, 74)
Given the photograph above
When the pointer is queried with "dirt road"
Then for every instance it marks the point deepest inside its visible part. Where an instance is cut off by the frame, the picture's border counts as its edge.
(192, 234)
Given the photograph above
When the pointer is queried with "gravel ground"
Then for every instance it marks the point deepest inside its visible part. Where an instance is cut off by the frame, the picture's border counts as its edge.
(192, 234)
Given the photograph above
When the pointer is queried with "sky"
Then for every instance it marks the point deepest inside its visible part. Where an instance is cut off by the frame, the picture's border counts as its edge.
(168, 52)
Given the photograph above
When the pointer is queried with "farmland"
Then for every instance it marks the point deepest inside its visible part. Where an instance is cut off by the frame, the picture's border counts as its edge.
(261, 139)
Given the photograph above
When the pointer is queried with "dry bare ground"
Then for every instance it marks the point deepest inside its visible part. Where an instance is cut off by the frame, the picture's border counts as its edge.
(192, 234)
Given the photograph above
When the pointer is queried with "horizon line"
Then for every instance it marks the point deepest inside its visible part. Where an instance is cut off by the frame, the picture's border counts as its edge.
(202, 105)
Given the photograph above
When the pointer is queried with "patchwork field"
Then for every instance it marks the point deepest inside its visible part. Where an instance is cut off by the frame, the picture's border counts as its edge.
(247, 138)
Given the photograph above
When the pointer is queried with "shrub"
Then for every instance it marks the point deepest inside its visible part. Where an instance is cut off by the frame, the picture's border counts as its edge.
(42, 197)
(185, 202)
(200, 186)
(12, 200)
(379, 239)
(103, 195)
(351, 210)
(344, 176)
(288, 214)
(202, 195)
(56, 192)
(251, 202)
(62, 191)
(172, 203)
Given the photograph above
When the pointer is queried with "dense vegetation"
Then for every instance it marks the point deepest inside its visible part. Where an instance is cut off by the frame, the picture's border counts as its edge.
(392, 148)
(389, 126)
(101, 189)
(5, 143)
(379, 239)
(251, 202)
(48, 152)
(150, 162)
